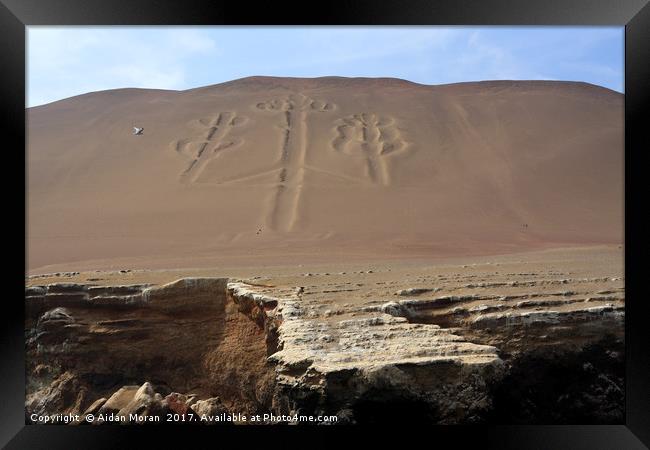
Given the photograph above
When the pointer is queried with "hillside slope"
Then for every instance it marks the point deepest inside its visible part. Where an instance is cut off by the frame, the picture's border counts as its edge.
(330, 168)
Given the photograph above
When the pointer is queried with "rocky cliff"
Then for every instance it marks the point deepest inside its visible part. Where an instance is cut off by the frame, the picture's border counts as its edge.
(213, 347)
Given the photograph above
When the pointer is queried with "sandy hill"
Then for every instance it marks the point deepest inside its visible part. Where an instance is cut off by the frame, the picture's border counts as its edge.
(287, 170)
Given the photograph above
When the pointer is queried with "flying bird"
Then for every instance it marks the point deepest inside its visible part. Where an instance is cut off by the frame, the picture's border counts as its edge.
(137, 131)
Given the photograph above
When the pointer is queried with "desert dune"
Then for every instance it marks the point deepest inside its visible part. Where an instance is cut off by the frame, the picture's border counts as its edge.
(266, 170)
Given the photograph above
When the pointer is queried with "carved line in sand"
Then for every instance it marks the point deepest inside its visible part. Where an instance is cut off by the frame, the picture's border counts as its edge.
(213, 142)
(291, 171)
(373, 137)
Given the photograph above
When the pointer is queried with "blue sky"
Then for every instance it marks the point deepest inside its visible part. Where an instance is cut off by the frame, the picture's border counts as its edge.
(67, 61)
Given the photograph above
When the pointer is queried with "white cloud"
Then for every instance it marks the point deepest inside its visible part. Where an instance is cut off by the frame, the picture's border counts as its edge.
(192, 40)
(348, 45)
(479, 58)
(75, 60)
(152, 77)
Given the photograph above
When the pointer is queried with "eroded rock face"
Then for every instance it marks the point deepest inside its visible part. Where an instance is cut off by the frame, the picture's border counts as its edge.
(209, 347)
(180, 337)
(452, 357)
(119, 400)
(142, 404)
(209, 407)
(66, 394)
(336, 366)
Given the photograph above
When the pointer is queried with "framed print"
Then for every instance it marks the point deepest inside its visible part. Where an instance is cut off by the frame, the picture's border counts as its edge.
(266, 219)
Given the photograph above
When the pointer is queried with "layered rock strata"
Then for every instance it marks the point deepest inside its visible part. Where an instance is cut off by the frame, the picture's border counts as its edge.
(214, 346)
(84, 342)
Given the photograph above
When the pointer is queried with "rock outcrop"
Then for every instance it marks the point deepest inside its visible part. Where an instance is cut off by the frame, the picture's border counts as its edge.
(209, 348)
(90, 342)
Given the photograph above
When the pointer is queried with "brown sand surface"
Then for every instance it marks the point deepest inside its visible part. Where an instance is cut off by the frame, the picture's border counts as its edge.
(331, 171)
(379, 281)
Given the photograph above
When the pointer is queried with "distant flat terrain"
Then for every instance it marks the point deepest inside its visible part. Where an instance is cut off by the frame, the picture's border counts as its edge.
(282, 171)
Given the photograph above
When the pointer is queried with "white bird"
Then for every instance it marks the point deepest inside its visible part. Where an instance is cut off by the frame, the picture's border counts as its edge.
(137, 131)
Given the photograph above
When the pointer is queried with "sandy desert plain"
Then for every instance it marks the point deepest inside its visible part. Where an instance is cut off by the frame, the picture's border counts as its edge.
(348, 250)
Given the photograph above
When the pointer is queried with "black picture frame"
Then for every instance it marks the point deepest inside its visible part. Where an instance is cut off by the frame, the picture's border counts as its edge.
(15, 15)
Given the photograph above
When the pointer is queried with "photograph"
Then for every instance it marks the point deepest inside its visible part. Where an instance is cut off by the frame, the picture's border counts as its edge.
(325, 225)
